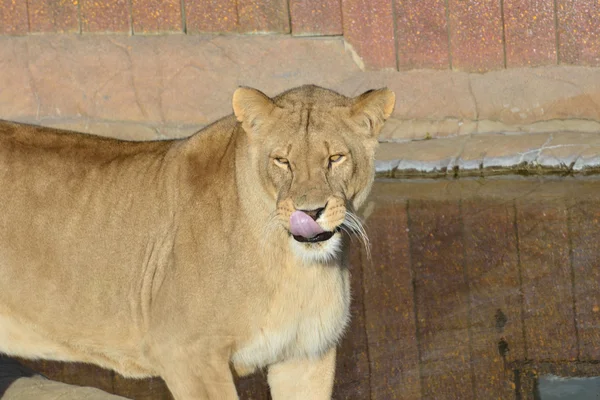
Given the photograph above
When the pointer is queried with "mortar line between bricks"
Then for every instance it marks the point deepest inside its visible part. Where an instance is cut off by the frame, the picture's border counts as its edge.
(237, 17)
(28, 18)
(79, 18)
(183, 17)
(313, 36)
(447, 4)
(413, 272)
(502, 20)
(130, 2)
(573, 285)
(54, 11)
(556, 33)
(520, 267)
(289, 15)
(395, 27)
(469, 296)
(342, 20)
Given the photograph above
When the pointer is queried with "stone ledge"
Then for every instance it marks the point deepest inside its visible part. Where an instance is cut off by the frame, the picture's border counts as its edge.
(169, 81)
(492, 154)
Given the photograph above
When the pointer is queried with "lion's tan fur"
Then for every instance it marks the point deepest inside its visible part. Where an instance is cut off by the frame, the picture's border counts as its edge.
(173, 258)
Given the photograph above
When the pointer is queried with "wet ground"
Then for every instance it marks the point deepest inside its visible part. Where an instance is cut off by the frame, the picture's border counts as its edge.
(476, 289)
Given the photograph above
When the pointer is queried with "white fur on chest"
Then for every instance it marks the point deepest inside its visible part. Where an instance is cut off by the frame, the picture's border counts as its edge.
(306, 317)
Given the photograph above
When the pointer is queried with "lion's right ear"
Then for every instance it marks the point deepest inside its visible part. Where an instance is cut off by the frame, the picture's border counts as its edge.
(373, 108)
(251, 107)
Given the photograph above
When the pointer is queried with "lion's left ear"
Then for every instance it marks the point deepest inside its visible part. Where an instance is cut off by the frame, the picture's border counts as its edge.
(251, 107)
(373, 108)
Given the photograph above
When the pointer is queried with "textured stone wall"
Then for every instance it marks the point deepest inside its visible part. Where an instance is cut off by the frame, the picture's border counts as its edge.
(469, 35)
(149, 87)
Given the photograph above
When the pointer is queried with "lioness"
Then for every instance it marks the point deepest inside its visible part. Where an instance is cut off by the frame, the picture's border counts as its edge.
(187, 258)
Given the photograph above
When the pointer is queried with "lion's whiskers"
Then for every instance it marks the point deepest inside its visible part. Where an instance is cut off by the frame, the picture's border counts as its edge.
(353, 225)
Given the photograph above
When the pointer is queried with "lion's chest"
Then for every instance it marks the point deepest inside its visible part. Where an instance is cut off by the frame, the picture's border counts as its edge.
(305, 318)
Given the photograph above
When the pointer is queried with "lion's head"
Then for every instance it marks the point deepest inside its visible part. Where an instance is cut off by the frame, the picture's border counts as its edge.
(314, 150)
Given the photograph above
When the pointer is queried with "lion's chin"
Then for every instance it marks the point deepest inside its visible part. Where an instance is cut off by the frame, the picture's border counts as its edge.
(318, 249)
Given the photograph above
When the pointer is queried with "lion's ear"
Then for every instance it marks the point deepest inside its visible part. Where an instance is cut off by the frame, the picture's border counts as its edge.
(251, 107)
(373, 108)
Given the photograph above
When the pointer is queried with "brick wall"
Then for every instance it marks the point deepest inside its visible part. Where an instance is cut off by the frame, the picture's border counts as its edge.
(468, 35)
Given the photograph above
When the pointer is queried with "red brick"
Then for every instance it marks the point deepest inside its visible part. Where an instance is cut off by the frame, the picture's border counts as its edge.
(211, 16)
(585, 236)
(156, 16)
(105, 16)
(495, 301)
(579, 37)
(260, 16)
(389, 306)
(13, 17)
(53, 15)
(369, 28)
(476, 35)
(314, 17)
(530, 33)
(546, 276)
(352, 378)
(422, 34)
(442, 302)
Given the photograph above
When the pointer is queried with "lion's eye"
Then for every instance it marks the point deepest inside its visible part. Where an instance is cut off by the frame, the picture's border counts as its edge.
(281, 162)
(336, 158)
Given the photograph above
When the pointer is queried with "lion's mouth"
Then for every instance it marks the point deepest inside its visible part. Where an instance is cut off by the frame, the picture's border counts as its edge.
(305, 229)
(321, 237)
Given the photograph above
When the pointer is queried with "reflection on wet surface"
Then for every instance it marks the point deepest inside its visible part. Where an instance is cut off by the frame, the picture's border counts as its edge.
(475, 290)
(558, 388)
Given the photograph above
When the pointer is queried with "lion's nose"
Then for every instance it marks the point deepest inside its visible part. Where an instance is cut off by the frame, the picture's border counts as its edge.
(314, 214)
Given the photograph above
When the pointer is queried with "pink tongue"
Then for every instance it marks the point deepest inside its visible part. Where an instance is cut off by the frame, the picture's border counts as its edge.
(301, 224)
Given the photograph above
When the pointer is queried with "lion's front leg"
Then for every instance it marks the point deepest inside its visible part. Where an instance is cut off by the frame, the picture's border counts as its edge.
(303, 379)
(200, 379)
